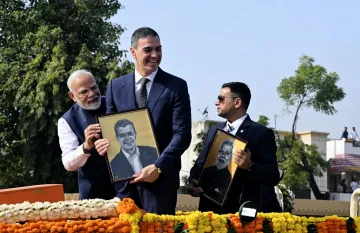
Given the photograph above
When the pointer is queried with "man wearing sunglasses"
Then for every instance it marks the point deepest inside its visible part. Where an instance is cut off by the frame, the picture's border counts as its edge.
(257, 167)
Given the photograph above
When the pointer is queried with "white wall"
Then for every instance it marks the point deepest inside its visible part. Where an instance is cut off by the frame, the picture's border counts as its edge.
(320, 140)
(334, 147)
(189, 155)
(340, 147)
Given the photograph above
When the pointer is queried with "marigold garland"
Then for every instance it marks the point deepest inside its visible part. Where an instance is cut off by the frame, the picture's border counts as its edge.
(22, 212)
(112, 225)
(131, 219)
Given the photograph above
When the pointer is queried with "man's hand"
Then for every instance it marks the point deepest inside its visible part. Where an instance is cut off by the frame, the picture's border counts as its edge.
(147, 174)
(192, 190)
(242, 159)
(91, 132)
(102, 146)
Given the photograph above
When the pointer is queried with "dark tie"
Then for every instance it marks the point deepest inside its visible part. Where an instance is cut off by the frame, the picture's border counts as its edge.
(229, 128)
(141, 95)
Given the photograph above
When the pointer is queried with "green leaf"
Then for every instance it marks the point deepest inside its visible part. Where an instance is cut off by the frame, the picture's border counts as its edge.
(41, 43)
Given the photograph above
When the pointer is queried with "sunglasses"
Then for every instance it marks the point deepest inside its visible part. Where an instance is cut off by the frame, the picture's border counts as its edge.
(222, 98)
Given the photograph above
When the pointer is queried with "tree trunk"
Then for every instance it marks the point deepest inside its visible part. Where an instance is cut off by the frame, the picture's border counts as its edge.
(295, 119)
(314, 187)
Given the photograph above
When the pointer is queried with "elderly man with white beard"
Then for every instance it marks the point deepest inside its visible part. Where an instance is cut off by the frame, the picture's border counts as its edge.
(77, 130)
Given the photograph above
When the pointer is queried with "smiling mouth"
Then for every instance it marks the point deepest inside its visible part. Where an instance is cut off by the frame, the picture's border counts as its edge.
(95, 99)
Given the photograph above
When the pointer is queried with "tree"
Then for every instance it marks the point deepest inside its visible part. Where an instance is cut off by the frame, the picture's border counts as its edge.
(41, 43)
(311, 87)
(202, 136)
(264, 120)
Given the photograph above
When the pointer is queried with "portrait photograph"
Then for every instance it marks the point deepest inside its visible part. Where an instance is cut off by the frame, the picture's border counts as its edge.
(220, 167)
(132, 143)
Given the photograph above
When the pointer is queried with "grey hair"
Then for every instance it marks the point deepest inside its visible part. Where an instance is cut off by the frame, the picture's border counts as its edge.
(141, 33)
(77, 74)
(227, 142)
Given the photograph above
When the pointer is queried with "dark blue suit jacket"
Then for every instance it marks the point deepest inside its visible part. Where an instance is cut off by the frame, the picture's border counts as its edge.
(264, 171)
(121, 167)
(170, 111)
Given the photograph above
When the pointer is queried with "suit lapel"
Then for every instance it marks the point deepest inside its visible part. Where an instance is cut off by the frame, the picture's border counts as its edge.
(244, 128)
(128, 90)
(157, 89)
(222, 125)
(127, 167)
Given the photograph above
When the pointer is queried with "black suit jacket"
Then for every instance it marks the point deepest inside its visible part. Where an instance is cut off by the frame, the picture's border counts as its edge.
(246, 185)
(121, 167)
(215, 182)
(170, 112)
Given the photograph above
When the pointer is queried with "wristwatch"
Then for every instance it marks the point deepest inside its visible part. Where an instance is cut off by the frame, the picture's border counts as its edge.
(159, 170)
(86, 151)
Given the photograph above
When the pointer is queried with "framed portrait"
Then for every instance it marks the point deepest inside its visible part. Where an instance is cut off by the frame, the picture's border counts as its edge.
(220, 167)
(132, 142)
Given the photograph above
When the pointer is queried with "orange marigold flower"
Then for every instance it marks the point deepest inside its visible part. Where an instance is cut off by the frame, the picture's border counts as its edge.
(126, 206)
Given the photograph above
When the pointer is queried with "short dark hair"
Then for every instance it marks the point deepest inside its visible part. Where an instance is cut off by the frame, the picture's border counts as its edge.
(141, 33)
(122, 124)
(239, 90)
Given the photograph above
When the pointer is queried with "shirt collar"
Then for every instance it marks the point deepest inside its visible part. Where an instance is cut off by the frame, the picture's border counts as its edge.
(151, 77)
(127, 155)
(236, 124)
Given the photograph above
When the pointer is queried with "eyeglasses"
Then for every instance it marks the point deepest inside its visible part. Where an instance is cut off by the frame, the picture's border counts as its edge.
(222, 98)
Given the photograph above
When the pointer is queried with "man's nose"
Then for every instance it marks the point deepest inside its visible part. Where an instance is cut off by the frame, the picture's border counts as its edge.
(93, 93)
(154, 54)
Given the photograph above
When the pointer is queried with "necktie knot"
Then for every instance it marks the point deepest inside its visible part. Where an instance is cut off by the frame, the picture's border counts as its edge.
(229, 128)
(144, 81)
(141, 95)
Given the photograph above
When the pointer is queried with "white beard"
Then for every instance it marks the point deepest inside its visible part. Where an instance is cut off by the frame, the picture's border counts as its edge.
(92, 106)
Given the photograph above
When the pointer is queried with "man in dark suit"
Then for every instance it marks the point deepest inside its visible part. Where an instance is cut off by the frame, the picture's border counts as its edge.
(216, 179)
(131, 158)
(256, 167)
(167, 98)
(345, 134)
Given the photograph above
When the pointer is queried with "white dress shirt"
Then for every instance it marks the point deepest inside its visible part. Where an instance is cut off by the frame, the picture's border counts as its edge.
(235, 125)
(354, 135)
(134, 160)
(73, 156)
(148, 84)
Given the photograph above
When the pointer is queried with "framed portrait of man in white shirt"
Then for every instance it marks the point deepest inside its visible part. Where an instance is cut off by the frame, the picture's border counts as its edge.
(132, 143)
(219, 168)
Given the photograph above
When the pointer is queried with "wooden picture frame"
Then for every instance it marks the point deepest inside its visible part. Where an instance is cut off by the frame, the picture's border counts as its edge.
(132, 140)
(219, 168)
